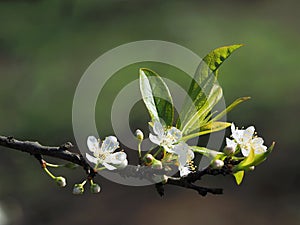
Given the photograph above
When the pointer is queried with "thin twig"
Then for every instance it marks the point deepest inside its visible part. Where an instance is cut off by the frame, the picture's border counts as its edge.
(62, 152)
(36, 149)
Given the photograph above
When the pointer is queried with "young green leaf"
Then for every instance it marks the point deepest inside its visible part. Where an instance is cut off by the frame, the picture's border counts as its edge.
(207, 129)
(156, 96)
(253, 159)
(201, 117)
(246, 163)
(230, 107)
(216, 57)
(239, 176)
(201, 87)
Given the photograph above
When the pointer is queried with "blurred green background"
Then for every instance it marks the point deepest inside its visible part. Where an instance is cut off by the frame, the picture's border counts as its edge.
(45, 47)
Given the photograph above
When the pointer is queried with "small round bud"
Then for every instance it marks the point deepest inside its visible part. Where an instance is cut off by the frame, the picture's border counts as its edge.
(217, 164)
(139, 134)
(78, 189)
(149, 159)
(228, 150)
(61, 181)
(95, 188)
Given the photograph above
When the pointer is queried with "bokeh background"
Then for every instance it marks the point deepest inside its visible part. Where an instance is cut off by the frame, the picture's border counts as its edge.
(45, 47)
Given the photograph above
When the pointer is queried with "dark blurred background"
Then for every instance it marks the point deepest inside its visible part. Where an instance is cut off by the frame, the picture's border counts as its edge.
(45, 47)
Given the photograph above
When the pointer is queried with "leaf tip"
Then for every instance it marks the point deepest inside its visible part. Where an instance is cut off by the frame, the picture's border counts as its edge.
(270, 149)
(141, 71)
(245, 98)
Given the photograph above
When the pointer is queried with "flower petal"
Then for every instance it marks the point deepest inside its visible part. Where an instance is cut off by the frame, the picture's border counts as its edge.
(175, 134)
(257, 141)
(108, 166)
(245, 150)
(155, 139)
(184, 171)
(248, 134)
(237, 134)
(158, 129)
(116, 158)
(93, 144)
(182, 150)
(231, 143)
(260, 149)
(90, 158)
(190, 155)
(232, 128)
(123, 164)
(110, 144)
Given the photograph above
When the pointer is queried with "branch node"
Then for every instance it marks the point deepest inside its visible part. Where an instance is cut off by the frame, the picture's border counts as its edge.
(66, 146)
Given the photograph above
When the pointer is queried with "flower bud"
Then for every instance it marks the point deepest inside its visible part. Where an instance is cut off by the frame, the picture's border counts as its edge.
(228, 150)
(149, 159)
(78, 189)
(217, 164)
(60, 181)
(95, 188)
(153, 162)
(139, 134)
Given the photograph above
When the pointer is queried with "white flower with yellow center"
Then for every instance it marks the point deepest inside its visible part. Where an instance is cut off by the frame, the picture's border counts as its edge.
(103, 154)
(169, 139)
(246, 140)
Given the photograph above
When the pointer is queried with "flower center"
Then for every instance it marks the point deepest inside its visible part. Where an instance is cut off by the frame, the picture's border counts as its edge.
(103, 156)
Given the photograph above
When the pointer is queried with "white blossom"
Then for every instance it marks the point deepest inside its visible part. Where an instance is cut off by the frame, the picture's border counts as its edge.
(185, 155)
(166, 138)
(246, 140)
(169, 139)
(104, 153)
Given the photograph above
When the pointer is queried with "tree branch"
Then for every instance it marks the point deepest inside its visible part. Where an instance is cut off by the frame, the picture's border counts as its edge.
(62, 152)
(35, 148)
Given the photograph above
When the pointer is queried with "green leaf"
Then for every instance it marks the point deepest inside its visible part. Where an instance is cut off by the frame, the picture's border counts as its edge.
(200, 119)
(239, 176)
(207, 129)
(247, 162)
(203, 92)
(156, 96)
(230, 107)
(196, 100)
(147, 96)
(254, 159)
(216, 57)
